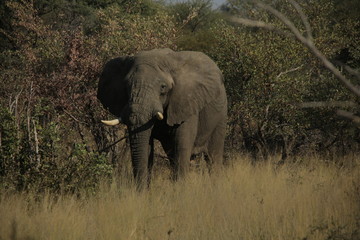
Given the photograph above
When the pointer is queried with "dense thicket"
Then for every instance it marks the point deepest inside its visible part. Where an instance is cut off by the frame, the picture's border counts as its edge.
(52, 53)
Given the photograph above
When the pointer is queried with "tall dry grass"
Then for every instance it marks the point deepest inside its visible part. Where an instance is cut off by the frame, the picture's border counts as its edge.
(313, 200)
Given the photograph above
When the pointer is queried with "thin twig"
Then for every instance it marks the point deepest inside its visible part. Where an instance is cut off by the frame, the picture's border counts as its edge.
(111, 145)
(289, 71)
(73, 117)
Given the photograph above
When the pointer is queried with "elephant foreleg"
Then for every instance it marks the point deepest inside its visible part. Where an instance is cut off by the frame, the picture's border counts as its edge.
(168, 146)
(150, 160)
(184, 141)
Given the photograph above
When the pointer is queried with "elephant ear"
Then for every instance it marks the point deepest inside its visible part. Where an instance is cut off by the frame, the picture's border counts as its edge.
(197, 82)
(112, 85)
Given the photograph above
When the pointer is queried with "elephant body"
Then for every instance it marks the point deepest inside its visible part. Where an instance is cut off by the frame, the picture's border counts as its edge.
(178, 98)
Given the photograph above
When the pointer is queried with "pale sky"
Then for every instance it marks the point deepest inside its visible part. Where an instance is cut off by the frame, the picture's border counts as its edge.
(217, 3)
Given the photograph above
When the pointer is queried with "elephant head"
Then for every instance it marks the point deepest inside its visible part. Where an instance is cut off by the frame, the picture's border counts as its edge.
(156, 85)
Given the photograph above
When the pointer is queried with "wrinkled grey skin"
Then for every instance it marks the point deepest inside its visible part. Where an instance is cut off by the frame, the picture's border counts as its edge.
(186, 87)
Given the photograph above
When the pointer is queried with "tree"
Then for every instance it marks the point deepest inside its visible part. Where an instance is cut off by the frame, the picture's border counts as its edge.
(308, 41)
(268, 74)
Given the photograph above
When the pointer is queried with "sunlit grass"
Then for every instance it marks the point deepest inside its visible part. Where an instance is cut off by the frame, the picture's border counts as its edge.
(312, 200)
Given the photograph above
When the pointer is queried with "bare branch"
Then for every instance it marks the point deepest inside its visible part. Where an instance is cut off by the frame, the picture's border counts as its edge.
(305, 41)
(289, 71)
(349, 69)
(73, 117)
(37, 154)
(348, 115)
(113, 144)
(284, 20)
(14, 104)
(252, 23)
(352, 71)
(327, 104)
(304, 19)
(353, 88)
(258, 24)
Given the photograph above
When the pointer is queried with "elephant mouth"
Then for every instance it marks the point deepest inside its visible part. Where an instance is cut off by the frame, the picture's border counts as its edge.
(136, 129)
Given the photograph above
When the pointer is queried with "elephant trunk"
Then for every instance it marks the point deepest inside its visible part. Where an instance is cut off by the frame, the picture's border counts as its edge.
(140, 150)
(141, 114)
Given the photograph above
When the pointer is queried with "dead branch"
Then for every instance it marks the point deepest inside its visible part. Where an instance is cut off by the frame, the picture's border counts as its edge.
(37, 153)
(13, 105)
(113, 144)
(289, 71)
(306, 41)
(73, 117)
(348, 115)
(350, 70)
(304, 19)
(29, 110)
(327, 104)
(259, 24)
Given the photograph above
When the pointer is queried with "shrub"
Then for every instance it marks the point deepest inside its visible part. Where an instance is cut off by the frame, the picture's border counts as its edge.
(268, 75)
(55, 139)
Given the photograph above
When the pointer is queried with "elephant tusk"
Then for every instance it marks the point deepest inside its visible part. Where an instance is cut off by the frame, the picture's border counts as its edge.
(111, 122)
(159, 116)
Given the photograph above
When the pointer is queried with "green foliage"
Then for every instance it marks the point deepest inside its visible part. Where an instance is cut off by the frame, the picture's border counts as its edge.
(38, 161)
(52, 53)
(9, 141)
(83, 170)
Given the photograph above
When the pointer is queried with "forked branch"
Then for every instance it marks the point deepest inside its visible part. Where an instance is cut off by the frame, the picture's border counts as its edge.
(294, 31)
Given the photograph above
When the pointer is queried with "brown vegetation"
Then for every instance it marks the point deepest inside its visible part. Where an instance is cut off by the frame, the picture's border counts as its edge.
(62, 176)
(309, 199)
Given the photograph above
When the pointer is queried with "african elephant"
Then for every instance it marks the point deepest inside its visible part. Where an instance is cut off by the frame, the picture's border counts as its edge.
(176, 97)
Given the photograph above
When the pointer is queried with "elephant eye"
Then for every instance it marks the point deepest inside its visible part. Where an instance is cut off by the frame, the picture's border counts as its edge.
(163, 88)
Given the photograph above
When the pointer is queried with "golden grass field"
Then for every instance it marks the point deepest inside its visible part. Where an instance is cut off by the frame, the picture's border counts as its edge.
(314, 199)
